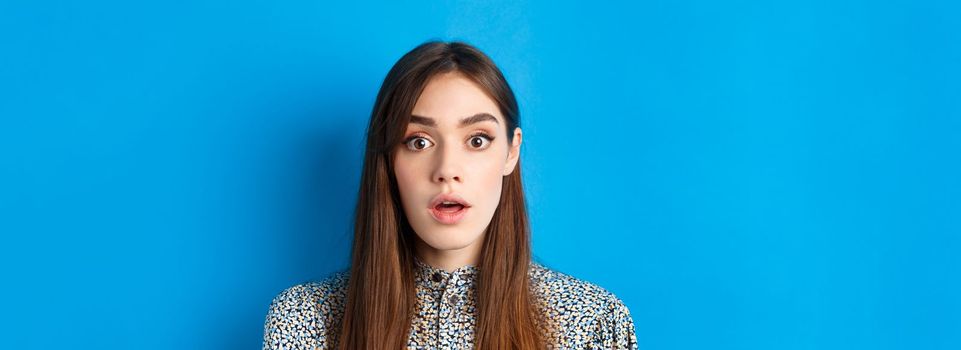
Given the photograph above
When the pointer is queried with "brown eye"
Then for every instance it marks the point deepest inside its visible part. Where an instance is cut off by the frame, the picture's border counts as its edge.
(418, 144)
(480, 141)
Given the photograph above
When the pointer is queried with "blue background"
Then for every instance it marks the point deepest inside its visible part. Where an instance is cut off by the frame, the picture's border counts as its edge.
(744, 175)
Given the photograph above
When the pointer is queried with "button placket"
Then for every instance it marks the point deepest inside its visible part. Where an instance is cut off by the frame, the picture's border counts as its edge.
(455, 291)
(443, 316)
(449, 299)
(450, 313)
(444, 305)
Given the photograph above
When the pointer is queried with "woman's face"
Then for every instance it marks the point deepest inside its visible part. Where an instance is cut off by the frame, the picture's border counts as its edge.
(456, 144)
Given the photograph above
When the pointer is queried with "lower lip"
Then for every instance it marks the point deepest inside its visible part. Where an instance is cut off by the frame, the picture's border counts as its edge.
(448, 218)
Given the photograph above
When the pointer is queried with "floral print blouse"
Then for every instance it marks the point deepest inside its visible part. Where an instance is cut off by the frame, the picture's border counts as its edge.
(580, 315)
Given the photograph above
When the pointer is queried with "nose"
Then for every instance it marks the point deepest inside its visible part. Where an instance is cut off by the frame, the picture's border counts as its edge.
(448, 168)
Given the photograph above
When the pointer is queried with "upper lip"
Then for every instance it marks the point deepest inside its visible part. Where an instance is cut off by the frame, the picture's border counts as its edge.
(448, 197)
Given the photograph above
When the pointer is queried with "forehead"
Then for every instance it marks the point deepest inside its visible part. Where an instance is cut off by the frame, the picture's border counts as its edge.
(448, 97)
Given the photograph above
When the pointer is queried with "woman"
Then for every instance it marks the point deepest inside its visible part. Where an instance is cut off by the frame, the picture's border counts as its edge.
(441, 254)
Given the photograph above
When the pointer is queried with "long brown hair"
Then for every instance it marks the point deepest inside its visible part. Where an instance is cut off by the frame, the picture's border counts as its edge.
(381, 292)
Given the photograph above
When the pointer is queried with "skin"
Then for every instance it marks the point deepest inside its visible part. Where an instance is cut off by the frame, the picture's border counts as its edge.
(450, 158)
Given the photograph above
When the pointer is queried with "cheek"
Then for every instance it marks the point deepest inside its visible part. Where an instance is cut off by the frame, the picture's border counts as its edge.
(406, 174)
(491, 163)
(490, 171)
(489, 177)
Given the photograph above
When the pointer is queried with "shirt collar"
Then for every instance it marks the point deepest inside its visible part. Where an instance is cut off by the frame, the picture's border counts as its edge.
(438, 279)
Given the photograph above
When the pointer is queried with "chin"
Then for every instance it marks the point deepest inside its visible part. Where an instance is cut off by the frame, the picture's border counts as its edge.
(449, 245)
(446, 240)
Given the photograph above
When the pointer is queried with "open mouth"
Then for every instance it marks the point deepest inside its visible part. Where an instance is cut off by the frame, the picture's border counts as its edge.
(449, 207)
(448, 212)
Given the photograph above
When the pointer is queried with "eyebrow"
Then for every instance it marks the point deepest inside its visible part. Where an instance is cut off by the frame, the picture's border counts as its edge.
(474, 119)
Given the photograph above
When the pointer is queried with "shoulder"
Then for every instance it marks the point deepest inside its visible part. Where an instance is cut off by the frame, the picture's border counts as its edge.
(300, 315)
(313, 292)
(578, 311)
(571, 291)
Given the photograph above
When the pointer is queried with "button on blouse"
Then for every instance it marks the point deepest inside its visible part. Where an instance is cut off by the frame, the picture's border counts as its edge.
(578, 314)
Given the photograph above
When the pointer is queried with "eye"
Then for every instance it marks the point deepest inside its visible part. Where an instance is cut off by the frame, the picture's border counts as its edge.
(417, 143)
(480, 141)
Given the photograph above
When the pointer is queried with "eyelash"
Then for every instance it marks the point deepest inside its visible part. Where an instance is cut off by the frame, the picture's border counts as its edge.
(490, 139)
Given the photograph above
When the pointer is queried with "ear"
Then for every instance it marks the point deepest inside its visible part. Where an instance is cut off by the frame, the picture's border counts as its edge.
(514, 153)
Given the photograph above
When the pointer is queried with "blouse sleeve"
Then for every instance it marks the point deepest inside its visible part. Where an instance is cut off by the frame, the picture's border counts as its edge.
(292, 321)
(617, 326)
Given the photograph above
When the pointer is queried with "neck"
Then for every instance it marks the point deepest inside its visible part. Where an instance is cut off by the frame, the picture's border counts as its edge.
(448, 259)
